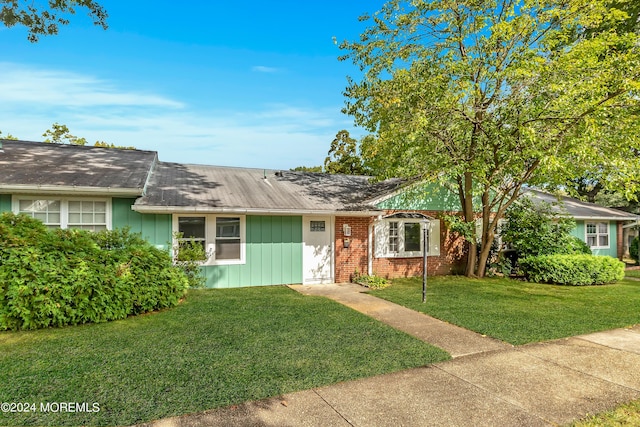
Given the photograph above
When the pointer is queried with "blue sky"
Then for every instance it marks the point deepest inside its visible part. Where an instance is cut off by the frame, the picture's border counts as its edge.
(252, 83)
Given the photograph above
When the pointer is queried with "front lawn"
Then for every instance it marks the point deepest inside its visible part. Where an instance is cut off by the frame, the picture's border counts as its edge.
(632, 273)
(219, 347)
(519, 312)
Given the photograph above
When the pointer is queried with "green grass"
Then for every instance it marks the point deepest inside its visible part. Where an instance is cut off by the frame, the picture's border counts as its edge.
(217, 348)
(519, 312)
(624, 415)
(632, 273)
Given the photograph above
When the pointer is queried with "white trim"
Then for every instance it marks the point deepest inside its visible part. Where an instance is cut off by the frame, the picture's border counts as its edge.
(210, 237)
(605, 218)
(64, 206)
(187, 210)
(64, 190)
(383, 240)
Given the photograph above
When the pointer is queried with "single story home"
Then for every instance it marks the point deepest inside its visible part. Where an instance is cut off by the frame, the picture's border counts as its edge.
(601, 228)
(258, 226)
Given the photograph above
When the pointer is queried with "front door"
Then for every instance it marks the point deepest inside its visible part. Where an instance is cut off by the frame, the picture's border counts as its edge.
(317, 258)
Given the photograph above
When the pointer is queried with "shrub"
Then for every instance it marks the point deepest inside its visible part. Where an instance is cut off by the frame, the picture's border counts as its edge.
(372, 282)
(537, 229)
(68, 277)
(574, 270)
(573, 245)
(633, 249)
(190, 256)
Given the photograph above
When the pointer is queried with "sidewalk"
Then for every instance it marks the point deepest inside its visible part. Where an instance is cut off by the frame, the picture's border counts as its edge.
(487, 382)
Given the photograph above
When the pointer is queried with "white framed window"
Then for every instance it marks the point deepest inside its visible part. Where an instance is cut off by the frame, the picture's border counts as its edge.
(597, 235)
(403, 237)
(222, 236)
(54, 212)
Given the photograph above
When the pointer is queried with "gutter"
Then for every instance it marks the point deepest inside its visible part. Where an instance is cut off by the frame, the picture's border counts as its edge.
(246, 211)
(606, 218)
(66, 189)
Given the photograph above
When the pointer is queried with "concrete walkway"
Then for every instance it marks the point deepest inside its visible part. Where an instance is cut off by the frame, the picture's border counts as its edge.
(486, 383)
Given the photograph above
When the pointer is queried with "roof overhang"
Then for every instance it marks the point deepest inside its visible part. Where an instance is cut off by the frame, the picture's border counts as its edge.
(246, 211)
(66, 190)
(606, 218)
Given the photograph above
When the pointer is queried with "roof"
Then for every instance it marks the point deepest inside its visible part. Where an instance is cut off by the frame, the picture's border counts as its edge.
(45, 167)
(179, 187)
(579, 209)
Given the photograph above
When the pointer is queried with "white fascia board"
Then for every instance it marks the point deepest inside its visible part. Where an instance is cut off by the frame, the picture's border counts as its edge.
(245, 211)
(605, 218)
(68, 189)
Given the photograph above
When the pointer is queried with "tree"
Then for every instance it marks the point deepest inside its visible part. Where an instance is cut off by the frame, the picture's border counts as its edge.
(58, 134)
(495, 95)
(7, 136)
(316, 169)
(45, 19)
(343, 156)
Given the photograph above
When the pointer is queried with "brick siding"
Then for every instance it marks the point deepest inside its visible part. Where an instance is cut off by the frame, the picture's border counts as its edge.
(452, 256)
(620, 240)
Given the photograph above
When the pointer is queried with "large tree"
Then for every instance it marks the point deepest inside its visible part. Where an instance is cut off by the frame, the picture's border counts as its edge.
(494, 95)
(343, 156)
(45, 18)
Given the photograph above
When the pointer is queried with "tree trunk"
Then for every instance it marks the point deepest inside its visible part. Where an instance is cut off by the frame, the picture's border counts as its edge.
(469, 217)
(484, 256)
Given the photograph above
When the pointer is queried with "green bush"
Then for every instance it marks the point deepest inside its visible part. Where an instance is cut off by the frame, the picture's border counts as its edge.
(633, 249)
(189, 258)
(371, 282)
(573, 245)
(68, 277)
(574, 270)
(537, 229)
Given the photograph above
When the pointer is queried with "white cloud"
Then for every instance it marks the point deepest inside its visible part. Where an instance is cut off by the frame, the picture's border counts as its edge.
(264, 69)
(270, 136)
(23, 85)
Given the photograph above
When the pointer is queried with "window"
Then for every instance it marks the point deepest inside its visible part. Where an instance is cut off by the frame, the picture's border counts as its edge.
(87, 215)
(402, 238)
(394, 237)
(317, 226)
(84, 214)
(412, 237)
(47, 211)
(222, 237)
(227, 238)
(192, 229)
(597, 235)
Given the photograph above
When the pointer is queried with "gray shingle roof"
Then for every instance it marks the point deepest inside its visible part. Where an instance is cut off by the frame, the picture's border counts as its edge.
(47, 166)
(579, 209)
(218, 188)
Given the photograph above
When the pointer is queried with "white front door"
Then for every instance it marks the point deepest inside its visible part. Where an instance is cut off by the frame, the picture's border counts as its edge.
(317, 253)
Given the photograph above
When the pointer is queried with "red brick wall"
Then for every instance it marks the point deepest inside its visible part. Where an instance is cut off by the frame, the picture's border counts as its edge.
(620, 240)
(451, 259)
(355, 256)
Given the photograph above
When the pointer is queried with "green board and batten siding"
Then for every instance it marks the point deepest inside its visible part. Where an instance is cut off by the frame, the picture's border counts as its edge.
(155, 228)
(273, 255)
(612, 250)
(5, 202)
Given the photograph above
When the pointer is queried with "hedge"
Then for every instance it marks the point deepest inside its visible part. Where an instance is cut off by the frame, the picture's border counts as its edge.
(576, 270)
(69, 277)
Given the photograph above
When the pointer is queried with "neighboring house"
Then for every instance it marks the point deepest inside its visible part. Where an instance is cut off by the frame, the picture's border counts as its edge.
(259, 226)
(601, 228)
